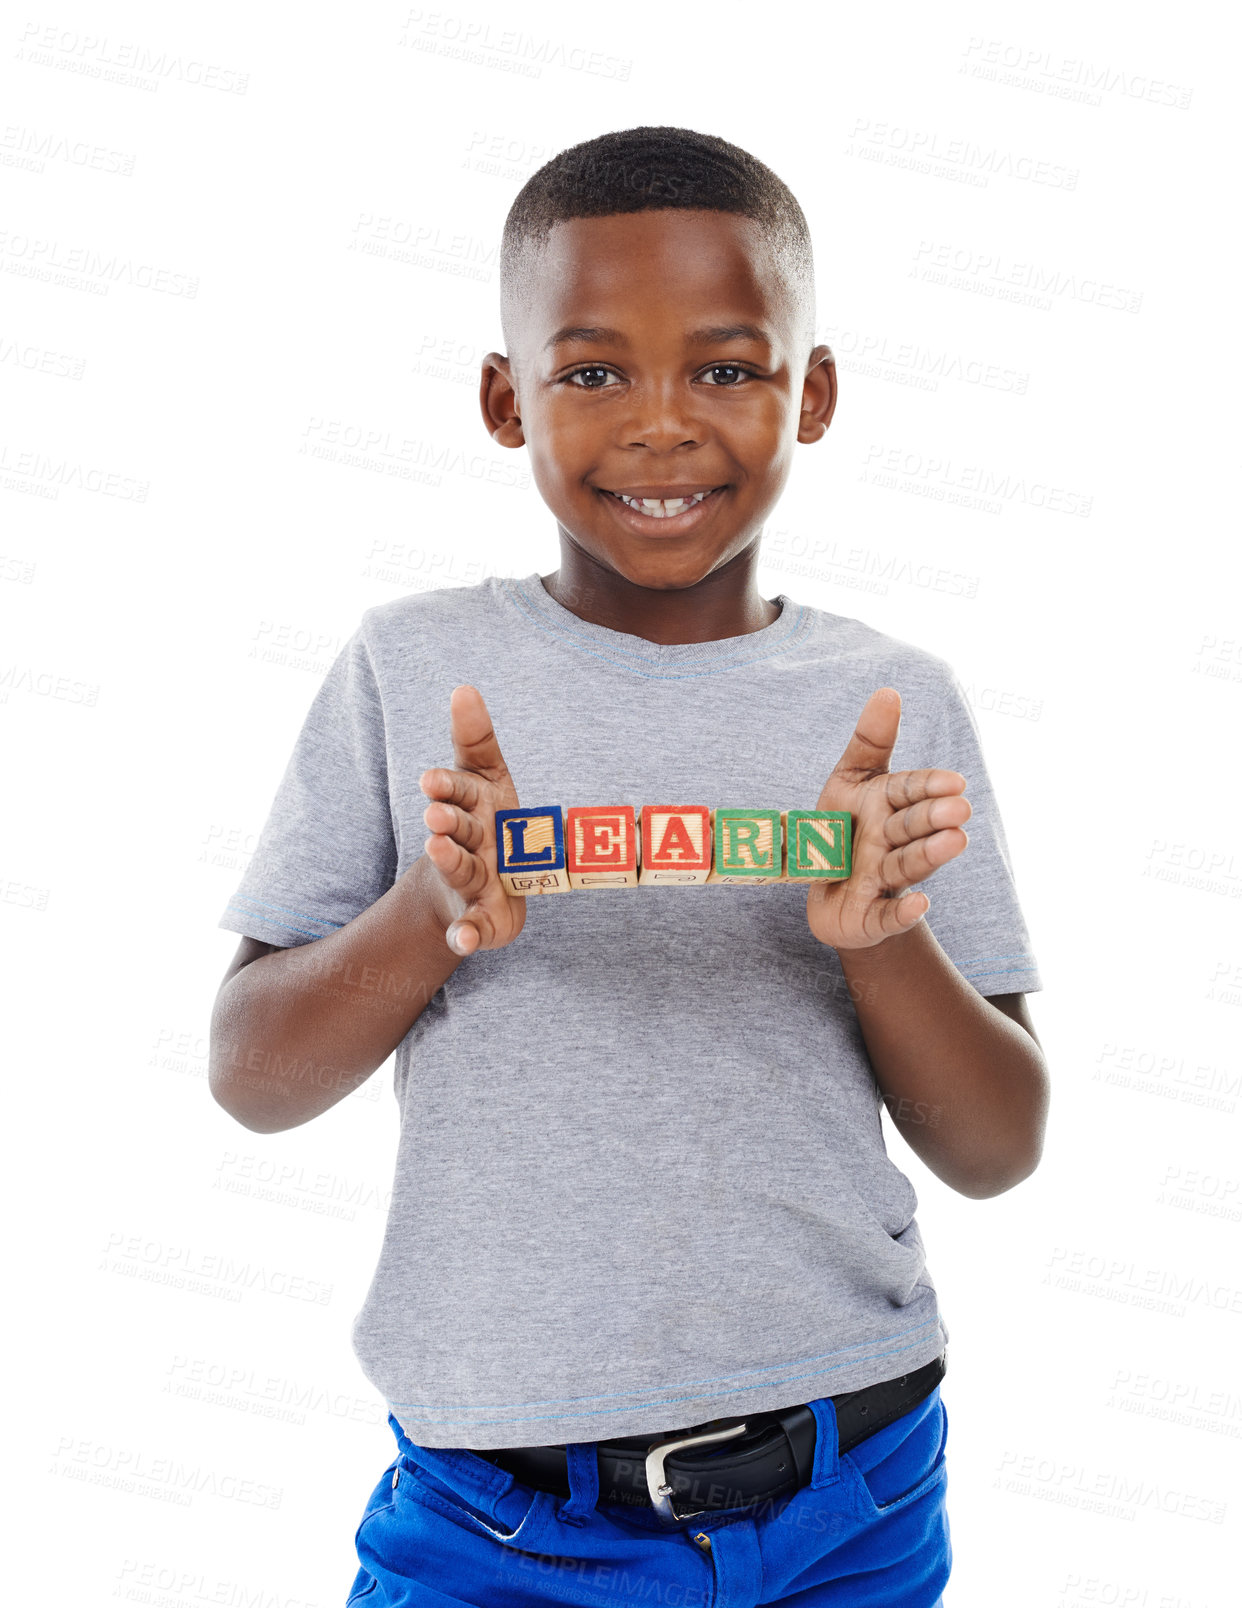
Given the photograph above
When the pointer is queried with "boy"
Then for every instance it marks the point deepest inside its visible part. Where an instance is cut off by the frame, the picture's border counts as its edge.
(652, 1312)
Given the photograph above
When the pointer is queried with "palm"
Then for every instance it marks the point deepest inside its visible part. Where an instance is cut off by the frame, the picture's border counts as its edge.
(904, 826)
(462, 817)
(505, 912)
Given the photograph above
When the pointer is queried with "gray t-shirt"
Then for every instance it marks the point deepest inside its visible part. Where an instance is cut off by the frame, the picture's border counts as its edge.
(641, 1179)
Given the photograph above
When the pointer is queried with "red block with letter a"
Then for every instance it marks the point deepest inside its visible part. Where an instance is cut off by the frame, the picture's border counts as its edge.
(601, 846)
(676, 843)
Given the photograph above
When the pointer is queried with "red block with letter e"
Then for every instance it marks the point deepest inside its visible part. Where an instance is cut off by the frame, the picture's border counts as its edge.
(601, 846)
(676, 843)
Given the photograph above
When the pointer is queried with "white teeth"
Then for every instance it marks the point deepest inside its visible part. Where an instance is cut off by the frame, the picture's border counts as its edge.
(662, 508)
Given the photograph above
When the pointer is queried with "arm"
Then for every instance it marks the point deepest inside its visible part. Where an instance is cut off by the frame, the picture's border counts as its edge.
(963, 1076)
(295, 1030)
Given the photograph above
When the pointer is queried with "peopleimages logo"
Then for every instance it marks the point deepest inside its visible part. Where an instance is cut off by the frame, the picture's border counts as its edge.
(121, 61)
(1028, 284)
(1065, 77)
(926, 151)
(467, 39)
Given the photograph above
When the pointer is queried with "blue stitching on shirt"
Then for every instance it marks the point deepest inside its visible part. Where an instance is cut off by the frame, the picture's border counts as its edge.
(301, 914)
(662, 1403)
(573, 638)
(266, 921)
(704, 1395)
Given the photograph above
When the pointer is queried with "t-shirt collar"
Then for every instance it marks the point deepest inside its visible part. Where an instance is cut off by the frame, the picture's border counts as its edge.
(635, 652)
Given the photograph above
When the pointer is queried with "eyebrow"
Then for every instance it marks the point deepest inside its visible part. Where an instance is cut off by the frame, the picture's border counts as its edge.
(714, 334)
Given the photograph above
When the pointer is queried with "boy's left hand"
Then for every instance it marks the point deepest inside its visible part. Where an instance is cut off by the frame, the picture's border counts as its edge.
(905, 824)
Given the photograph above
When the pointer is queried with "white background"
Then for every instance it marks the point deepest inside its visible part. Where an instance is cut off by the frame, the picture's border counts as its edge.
(233, 236)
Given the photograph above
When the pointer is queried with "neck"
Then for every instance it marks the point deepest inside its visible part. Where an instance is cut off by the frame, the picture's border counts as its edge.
(725, 603)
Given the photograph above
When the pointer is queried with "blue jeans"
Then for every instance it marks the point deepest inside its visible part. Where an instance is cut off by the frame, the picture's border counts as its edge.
(869, 1531)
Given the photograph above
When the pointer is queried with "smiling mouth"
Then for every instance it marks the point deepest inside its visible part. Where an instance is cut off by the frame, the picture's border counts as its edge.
(661, 508)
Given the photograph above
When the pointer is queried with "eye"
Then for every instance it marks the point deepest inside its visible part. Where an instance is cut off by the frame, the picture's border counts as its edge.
(727, 368)
(594, 368)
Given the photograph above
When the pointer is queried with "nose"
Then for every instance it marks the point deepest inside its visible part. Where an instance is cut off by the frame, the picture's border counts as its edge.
(662, 416)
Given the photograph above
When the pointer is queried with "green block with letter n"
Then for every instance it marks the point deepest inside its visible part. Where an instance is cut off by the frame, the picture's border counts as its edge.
(817, 845)
(748, 846)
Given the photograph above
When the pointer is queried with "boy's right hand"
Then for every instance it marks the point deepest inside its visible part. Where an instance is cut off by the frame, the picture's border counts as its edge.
(462, 848)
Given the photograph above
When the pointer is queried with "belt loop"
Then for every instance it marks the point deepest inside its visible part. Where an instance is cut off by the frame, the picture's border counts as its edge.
(826, 1469)
(582, 1458)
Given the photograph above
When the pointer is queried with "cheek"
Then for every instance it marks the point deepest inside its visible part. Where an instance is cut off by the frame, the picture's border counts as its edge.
(561, 437)
(559, 472)
(757, 422)
(764, 442)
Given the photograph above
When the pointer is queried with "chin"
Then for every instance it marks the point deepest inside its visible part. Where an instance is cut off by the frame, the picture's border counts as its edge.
(664, 574)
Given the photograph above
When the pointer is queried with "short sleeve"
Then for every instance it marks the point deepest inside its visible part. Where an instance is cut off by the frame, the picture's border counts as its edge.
(974, 913)
(327, 850)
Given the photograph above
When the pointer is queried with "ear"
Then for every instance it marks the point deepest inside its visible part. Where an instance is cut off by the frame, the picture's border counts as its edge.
(819, 394)
(499, 401)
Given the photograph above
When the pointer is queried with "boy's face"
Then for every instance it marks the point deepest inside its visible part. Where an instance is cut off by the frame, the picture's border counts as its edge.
(617, 384)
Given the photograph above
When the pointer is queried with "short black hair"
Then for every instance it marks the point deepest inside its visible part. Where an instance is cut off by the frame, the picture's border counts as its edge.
(646, 169)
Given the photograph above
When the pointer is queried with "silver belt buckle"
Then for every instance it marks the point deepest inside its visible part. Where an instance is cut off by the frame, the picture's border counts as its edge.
(659, 1489)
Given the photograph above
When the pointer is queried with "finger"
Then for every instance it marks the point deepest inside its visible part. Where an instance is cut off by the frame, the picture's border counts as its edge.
(884, 917)
(452, 786)
(915, 862)
(927, 816)
(869, 749)
(462, 937)
(472, 930)
(450, 820)
(899, 915)
(475, 745)
(461, 870)
(908, 787)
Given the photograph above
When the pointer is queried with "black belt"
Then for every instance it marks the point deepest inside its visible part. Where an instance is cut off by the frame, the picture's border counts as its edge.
(757, 1458)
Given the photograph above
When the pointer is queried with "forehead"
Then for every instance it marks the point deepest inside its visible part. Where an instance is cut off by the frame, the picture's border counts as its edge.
(668, 266)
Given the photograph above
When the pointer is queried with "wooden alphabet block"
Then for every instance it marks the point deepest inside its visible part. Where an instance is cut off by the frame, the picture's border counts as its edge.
(601, 846)
(748, 846)
(676, 843)
(530, 851)
(817, 845)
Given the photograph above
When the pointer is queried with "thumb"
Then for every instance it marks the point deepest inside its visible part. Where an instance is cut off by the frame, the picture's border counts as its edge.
(475, 746)
(871, 747)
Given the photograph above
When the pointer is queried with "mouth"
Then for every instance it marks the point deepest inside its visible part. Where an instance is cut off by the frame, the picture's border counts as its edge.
(664, 516)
